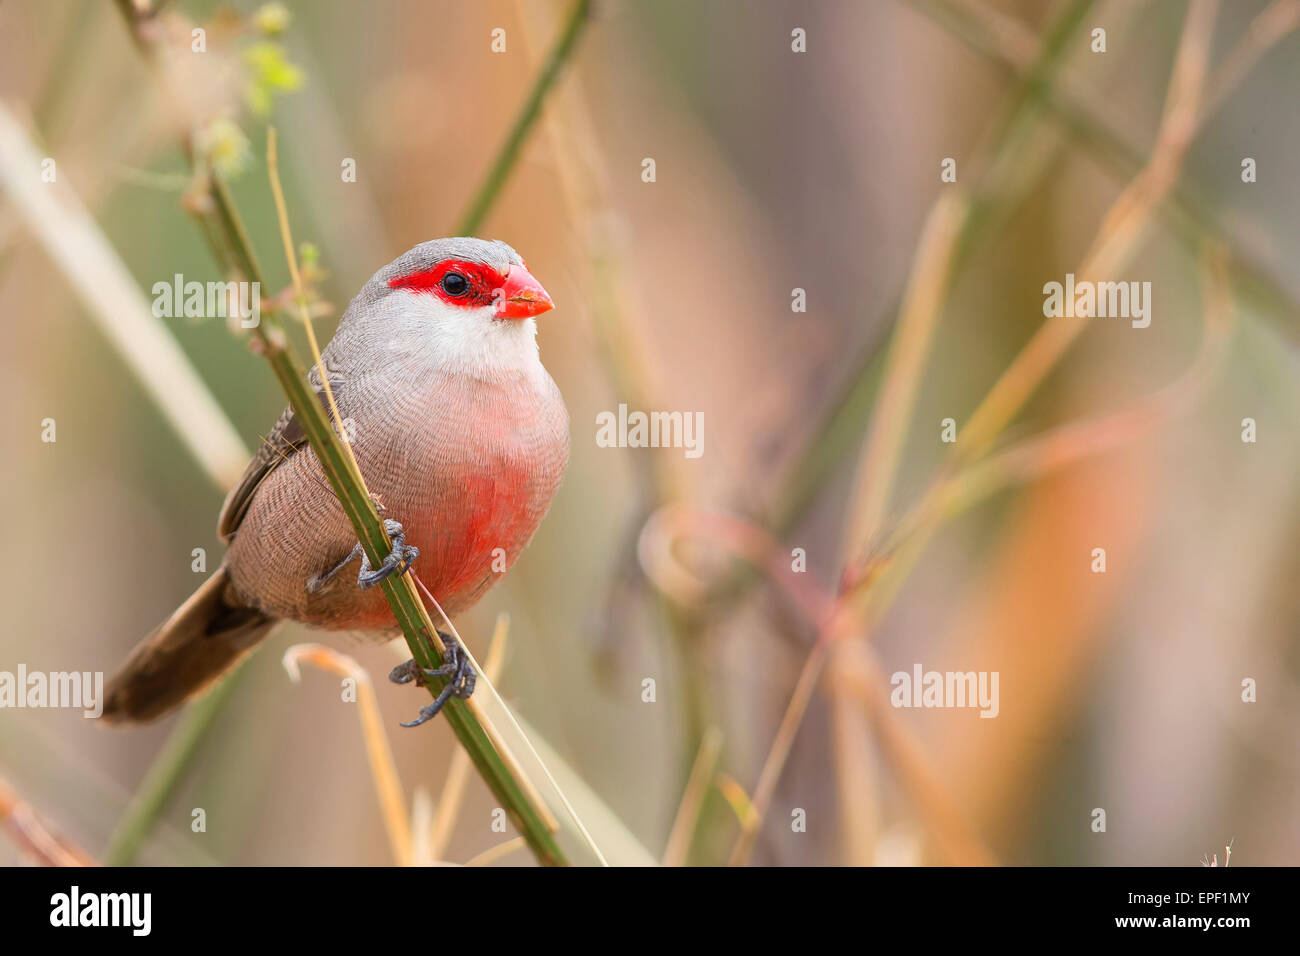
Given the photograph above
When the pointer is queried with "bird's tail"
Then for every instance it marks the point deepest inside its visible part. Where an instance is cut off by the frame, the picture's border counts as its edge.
(202, 639)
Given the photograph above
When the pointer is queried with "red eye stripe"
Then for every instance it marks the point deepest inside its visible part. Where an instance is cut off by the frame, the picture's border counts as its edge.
(483, 282)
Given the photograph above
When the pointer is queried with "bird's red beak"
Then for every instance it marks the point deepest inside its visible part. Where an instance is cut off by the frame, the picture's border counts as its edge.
(521, 296)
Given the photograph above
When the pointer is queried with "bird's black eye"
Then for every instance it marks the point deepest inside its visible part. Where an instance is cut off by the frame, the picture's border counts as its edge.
(453, 283)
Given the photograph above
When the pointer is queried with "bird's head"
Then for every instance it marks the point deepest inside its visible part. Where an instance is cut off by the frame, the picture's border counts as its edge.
(470, 275)
(468, 304)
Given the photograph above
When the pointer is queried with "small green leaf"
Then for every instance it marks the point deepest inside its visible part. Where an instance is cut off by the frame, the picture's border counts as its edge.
(272, 73)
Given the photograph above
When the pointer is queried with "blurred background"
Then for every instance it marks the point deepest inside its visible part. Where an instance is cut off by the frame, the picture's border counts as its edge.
(776, 169)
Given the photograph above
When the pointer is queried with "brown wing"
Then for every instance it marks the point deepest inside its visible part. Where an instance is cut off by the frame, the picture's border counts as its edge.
(282, 443)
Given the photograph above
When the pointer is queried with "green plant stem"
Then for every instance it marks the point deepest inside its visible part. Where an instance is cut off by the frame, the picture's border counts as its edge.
(508, 154)
(228, 238)
(165, 772)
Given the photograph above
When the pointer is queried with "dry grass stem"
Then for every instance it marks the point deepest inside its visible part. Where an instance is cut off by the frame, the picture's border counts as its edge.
(488, 857)
(34, 837)
(922, 305)
(1121, 229)
(453, 789)
(112, 300)
(738, 800)
(383, 770)
(952, 832)
(688, 811)
(1041, 455)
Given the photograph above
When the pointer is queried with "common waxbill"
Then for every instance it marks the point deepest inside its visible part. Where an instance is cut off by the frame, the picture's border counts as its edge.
(461, 435)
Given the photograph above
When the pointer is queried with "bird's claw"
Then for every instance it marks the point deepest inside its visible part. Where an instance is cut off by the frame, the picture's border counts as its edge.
(456, 667)
(399, 559)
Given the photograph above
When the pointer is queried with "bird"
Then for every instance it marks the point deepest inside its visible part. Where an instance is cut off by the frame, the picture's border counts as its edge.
(462, 437)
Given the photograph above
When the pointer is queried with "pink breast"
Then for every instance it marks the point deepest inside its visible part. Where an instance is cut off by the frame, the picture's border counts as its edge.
(471, 490)
(491, 516)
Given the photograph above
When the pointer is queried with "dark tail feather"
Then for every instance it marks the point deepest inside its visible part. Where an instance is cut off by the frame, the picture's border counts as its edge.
(203, 639)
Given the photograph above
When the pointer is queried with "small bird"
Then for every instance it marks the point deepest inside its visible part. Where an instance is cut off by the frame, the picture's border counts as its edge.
(462, 437)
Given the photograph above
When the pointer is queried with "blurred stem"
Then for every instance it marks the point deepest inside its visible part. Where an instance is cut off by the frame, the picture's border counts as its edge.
(114, 303)
(488, 857)
(165, 772)
(1121, 232)
(923, 302)
(584, 184)
(453, 790)
(112, 299)
(1041, 455)
(677, 852)
(34, 836)
(757, 548)
(379, 751)
(942, 815)
(1187, 213)
(1190, 217)
(508, 154)
(993, 200)
(841, 428)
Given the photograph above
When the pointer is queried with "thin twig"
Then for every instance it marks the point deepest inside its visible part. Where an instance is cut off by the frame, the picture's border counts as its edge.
(1029, 460)
(688, 812)
(927, 290)
(497, 852)
(383, 770)
(922, 304)
(738, 800)
(34, 837)
(619, 327)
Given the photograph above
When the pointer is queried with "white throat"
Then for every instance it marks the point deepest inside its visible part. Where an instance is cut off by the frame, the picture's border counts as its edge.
(458, 340)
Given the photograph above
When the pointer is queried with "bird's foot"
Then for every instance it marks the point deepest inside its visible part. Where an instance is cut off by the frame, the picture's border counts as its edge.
(399, 559)
(461, 678)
